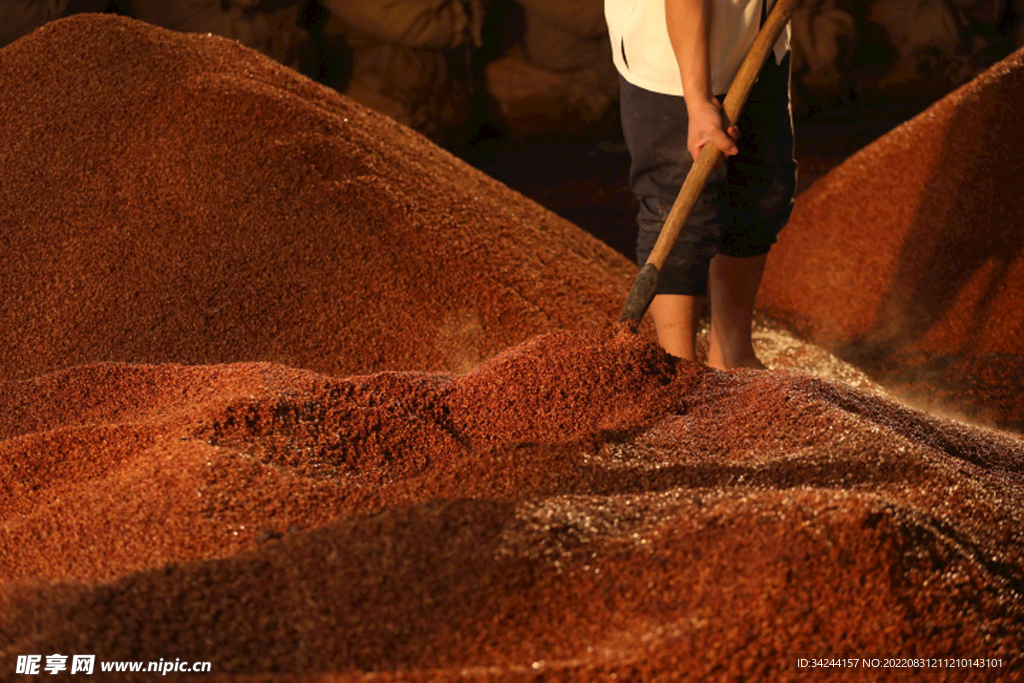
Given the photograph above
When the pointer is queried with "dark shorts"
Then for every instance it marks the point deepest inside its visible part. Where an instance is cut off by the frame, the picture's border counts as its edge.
(746, 202)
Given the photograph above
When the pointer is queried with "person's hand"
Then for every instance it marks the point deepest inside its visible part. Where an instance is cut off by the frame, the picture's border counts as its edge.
(707, 124)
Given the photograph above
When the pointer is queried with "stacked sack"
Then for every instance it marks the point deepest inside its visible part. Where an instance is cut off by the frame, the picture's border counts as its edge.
(556, 75)
(845, 51)
(532, 67)
(414, 60)
(21, 17)
(269, 26)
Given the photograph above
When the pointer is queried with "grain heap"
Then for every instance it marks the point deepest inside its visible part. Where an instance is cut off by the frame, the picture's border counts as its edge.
(177, 197)
(579, 507)
(909, 257)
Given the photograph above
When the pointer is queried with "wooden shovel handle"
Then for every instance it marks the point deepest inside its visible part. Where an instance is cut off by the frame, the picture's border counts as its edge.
(645, 286)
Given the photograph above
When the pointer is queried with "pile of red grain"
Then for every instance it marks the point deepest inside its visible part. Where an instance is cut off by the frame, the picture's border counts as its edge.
(909, 257)
(412, 527)
(568, 386)
(579, 507)
(173, 197)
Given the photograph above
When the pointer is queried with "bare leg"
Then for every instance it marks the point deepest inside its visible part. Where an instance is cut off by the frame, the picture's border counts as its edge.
(675, 319)
(733, 284)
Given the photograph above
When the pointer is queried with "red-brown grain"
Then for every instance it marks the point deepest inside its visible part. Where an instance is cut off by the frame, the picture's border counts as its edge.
(580, 507)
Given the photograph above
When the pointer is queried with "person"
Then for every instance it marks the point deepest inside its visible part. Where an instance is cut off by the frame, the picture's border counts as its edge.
(676, 60)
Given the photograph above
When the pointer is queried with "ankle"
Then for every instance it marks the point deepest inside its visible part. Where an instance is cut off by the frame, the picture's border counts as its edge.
(732, 357)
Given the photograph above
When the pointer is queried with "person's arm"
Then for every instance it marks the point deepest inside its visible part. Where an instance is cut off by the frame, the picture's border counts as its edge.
(689, 31)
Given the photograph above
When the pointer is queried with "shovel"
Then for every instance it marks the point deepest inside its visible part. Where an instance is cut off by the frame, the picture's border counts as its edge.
(646, 283)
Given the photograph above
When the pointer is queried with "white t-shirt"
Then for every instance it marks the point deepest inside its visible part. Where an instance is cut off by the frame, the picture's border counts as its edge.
(643, 54)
